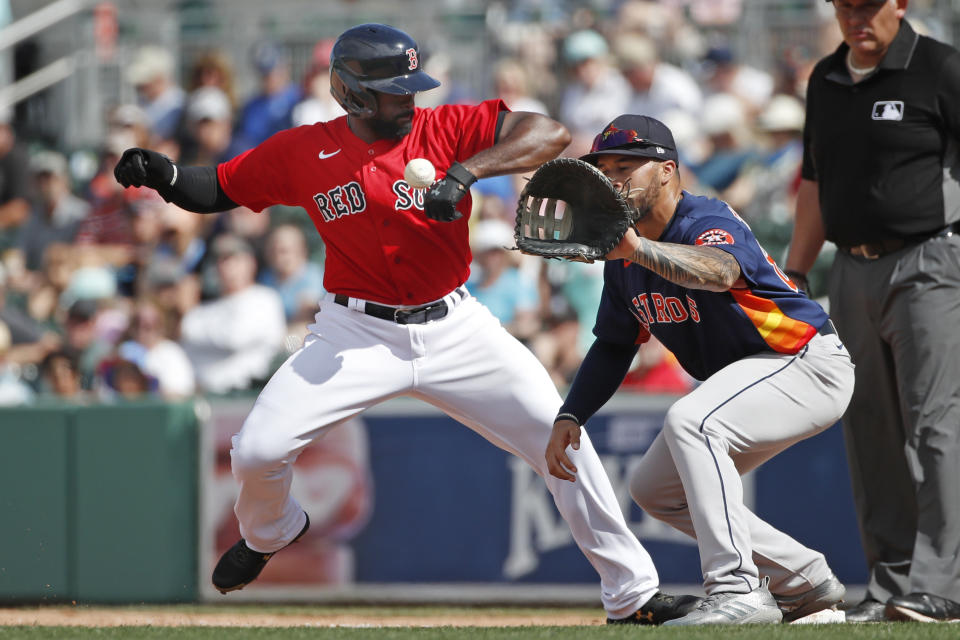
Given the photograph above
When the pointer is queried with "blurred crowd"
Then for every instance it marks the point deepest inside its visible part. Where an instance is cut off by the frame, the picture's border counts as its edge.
(110, 293)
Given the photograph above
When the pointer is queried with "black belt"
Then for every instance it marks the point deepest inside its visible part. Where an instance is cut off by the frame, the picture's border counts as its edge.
(827, 329)
(409, 315)
(874, 250)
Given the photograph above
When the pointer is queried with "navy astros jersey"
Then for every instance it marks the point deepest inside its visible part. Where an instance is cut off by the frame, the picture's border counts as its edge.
(708, 330)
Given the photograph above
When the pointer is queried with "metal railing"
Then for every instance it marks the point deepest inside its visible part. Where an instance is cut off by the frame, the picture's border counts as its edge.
(28, 26)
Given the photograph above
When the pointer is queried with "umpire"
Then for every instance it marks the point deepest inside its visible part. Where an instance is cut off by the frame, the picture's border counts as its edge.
(881, 180)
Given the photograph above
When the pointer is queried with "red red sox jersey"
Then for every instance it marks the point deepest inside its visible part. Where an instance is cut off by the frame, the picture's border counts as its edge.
(379, 244)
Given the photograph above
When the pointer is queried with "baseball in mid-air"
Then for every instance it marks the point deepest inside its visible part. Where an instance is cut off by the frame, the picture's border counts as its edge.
(419, 173)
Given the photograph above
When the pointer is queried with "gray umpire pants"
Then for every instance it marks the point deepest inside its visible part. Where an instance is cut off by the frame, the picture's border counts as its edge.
(899, 316)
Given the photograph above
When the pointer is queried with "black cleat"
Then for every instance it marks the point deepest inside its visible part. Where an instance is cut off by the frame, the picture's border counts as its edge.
(660, 608)
(241, 565)
(922, 607)
(869, 610)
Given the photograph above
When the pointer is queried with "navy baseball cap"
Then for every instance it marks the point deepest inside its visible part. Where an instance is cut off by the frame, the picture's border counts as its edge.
(632, 135)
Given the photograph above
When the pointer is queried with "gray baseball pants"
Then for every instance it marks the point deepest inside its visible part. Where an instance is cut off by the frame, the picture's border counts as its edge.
(739, 418)
(900, 317)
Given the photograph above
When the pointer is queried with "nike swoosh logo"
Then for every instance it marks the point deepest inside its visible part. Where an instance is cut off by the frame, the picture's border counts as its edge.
(323, 156)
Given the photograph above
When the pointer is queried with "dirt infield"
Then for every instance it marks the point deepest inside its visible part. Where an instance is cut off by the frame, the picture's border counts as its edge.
(159, 617)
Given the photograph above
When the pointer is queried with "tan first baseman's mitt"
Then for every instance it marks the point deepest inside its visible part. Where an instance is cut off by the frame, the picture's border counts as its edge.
(570, 210)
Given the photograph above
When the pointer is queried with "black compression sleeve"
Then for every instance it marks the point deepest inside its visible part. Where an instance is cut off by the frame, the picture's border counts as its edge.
(600, 374)
(197, 189)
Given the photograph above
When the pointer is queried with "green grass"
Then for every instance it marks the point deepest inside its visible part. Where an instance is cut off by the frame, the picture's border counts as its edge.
(822, 632)
(894, 631)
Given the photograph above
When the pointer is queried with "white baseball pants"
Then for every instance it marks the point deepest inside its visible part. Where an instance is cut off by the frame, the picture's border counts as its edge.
(465, 364)
(739, 418)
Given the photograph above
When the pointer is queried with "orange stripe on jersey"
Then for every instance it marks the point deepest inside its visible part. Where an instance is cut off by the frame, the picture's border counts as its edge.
(782, 333)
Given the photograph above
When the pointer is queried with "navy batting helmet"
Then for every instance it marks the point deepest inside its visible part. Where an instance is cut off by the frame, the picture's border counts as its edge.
(374, 57)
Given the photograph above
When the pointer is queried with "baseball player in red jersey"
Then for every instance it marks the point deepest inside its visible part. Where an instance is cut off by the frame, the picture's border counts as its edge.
(398, 320)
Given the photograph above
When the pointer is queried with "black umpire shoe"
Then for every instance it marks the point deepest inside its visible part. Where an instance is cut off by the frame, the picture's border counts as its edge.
(869, 610)
(922, 607)
(241, 565)
(660, 608)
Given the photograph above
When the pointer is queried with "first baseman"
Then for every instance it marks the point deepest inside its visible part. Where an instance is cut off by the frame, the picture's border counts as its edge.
(398, 320)
(773, 372)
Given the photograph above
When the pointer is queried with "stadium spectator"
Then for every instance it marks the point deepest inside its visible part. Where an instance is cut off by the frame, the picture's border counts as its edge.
(291, 274)
(452, 89)
(232, 340)
(152, 73)
(511, 83)
(270, 110)
(213, 69)
(556, 346)
(13, 391)
(29, 339)
(657, 87)
(766, 190)
(596, 92)
(149, 346)
(318, 105)
(499, 284)
(57, 214)
(130, 122)
(82, 342)
(118, 377)
(14, 181)
(656, 370)
(173, 290)
(725, 74)
(60, 377)
(724, 122)
(106, 234)
(209, 137)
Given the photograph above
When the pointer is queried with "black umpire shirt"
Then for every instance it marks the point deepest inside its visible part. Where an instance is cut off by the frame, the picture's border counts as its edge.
(886, 151)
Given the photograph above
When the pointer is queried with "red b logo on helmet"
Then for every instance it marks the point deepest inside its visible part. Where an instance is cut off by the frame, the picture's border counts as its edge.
(412, 57)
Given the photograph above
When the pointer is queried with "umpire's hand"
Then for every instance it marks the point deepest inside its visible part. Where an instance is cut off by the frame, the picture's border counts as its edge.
(144, 168)
(565, 433)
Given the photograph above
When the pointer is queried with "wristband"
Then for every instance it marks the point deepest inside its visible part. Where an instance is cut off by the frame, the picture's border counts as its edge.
(460, 173)
(567, 416)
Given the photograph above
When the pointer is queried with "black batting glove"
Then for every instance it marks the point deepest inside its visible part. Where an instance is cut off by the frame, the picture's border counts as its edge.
(144, 168)
(440, 202)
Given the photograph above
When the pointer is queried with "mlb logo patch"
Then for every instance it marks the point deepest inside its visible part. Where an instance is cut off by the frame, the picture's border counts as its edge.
(888, 110)
(714, 236)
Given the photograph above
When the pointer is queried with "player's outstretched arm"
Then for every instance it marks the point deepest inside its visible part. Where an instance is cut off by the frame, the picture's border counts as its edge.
(525, 141)
(195, 189)
(694, 267)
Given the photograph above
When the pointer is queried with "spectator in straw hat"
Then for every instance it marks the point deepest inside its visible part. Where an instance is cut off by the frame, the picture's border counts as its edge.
(152, 73)
(209, 128)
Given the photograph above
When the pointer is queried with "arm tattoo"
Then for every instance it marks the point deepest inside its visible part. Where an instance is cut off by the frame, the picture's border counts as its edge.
(692, 267)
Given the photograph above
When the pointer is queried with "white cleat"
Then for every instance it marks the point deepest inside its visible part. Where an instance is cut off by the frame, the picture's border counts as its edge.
(756, 607)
